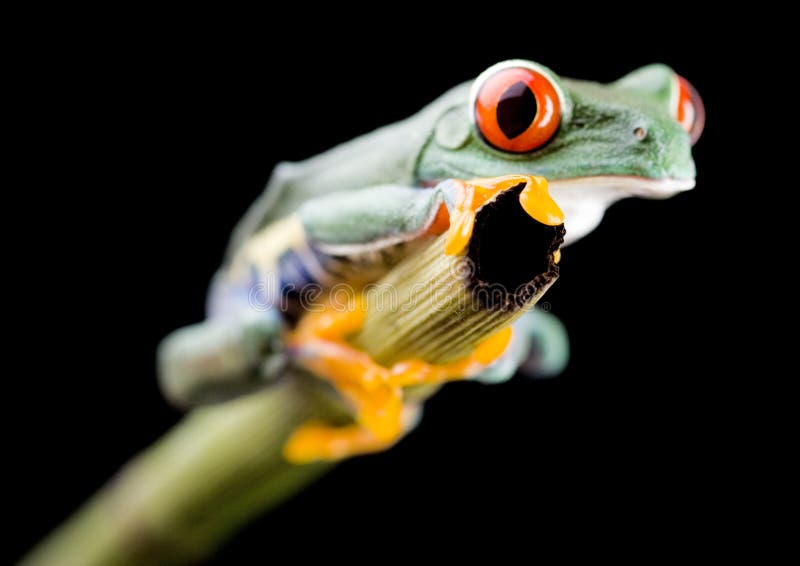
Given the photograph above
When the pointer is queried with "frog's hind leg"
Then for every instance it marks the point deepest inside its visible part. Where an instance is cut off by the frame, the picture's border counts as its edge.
(318, 344)
(374, 392)
(316, 440)
(219, 359)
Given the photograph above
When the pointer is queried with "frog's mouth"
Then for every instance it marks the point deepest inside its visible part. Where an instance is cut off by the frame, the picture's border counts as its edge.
(620, 186)
(513, 258)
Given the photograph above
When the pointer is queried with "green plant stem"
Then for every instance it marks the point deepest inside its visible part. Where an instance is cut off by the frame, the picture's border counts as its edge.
(222, 465)
(179, 499)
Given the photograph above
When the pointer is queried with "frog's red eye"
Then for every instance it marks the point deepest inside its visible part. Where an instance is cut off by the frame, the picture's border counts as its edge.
(689, 109)
(517, 109)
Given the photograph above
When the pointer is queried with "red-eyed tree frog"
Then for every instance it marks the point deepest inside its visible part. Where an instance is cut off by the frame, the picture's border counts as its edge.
(351, 214)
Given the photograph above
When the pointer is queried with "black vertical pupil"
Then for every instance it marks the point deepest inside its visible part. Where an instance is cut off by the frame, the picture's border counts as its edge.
(516, 109)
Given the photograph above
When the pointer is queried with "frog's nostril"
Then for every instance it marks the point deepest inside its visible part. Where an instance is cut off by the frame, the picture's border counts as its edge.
(640, 133)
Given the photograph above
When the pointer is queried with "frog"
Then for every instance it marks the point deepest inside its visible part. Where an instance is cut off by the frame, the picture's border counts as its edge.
(570, 148)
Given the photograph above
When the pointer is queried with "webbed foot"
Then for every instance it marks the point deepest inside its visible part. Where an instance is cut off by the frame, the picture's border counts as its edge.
(375, 392)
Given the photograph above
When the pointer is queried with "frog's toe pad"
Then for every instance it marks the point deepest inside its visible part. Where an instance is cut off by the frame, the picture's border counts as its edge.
(316, 441)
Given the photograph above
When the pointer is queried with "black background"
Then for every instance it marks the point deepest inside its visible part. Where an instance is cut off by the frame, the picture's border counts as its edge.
(163, 138)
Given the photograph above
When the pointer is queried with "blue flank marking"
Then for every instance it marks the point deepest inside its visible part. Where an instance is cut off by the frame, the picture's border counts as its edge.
(292, 272)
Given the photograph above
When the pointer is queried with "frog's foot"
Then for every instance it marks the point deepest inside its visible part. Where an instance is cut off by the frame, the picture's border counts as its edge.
(472, 195)
(315, 441)
(375, 392)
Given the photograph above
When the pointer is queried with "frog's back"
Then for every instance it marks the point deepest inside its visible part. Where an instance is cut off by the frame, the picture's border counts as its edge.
(387, 155)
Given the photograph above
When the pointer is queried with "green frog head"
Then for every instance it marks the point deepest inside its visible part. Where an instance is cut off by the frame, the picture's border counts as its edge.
(595, 143)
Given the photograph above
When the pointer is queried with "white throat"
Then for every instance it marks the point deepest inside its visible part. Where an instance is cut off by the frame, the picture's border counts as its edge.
(584, 200)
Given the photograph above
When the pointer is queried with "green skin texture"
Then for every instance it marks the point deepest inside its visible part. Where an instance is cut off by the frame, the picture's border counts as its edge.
(595, 137)
(367, 189)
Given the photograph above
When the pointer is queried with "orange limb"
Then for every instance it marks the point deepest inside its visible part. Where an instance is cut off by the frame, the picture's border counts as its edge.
(472, 195)
(374, 391)
(315, 441)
